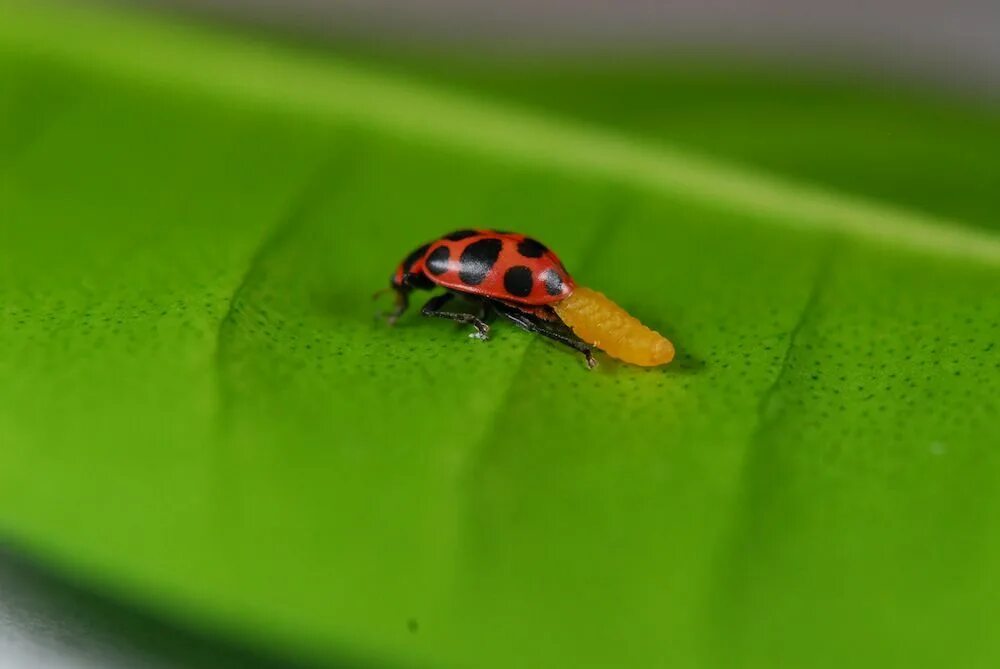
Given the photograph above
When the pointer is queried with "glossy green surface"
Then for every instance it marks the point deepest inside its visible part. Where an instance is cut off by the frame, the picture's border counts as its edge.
(200, 413)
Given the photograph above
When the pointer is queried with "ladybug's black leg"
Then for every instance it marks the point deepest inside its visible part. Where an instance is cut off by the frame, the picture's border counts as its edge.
(486, 311)
(402, 303)
(402, 295)
(527, 322)
(433, 308)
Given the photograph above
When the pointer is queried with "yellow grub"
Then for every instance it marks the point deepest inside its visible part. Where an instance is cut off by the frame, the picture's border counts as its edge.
(599, 321)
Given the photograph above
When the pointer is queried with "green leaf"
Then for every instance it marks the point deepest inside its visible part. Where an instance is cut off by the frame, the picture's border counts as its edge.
(199, 411)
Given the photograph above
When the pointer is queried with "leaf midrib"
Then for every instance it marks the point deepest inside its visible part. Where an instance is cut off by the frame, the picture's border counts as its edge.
(213, 64)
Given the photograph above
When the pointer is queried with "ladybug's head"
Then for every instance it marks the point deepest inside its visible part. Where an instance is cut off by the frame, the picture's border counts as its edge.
(410, 273)
(396, 280)
(403, 280)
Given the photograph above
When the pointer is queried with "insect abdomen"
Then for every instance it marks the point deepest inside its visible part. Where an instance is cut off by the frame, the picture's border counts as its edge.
(597, 320)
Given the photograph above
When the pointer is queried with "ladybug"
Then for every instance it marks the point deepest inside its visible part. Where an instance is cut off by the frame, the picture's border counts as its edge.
(519, 278)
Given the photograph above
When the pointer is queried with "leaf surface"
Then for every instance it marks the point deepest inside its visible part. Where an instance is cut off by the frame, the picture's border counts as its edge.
(200, 411)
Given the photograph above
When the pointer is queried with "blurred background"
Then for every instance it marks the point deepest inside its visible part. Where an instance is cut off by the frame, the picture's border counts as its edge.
(844, 66)
(951, 43)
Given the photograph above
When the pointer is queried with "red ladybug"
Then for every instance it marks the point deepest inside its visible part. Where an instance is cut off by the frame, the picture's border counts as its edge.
(505, 272)
(518, 277)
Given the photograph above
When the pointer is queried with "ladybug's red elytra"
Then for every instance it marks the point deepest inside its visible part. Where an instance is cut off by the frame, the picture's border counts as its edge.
(520, 278)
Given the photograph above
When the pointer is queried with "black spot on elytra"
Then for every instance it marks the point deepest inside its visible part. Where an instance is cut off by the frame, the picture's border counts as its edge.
(459, 235)
(553, 282)
(531, 248)
(437, 262)
(414, 257)
(477, 260)
(517, 280)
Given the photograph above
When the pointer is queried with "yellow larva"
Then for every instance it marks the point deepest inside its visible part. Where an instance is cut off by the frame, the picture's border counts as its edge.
(597, 320)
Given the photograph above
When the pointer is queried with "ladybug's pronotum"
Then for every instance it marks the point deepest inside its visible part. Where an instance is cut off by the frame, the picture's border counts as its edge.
(521, 279)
